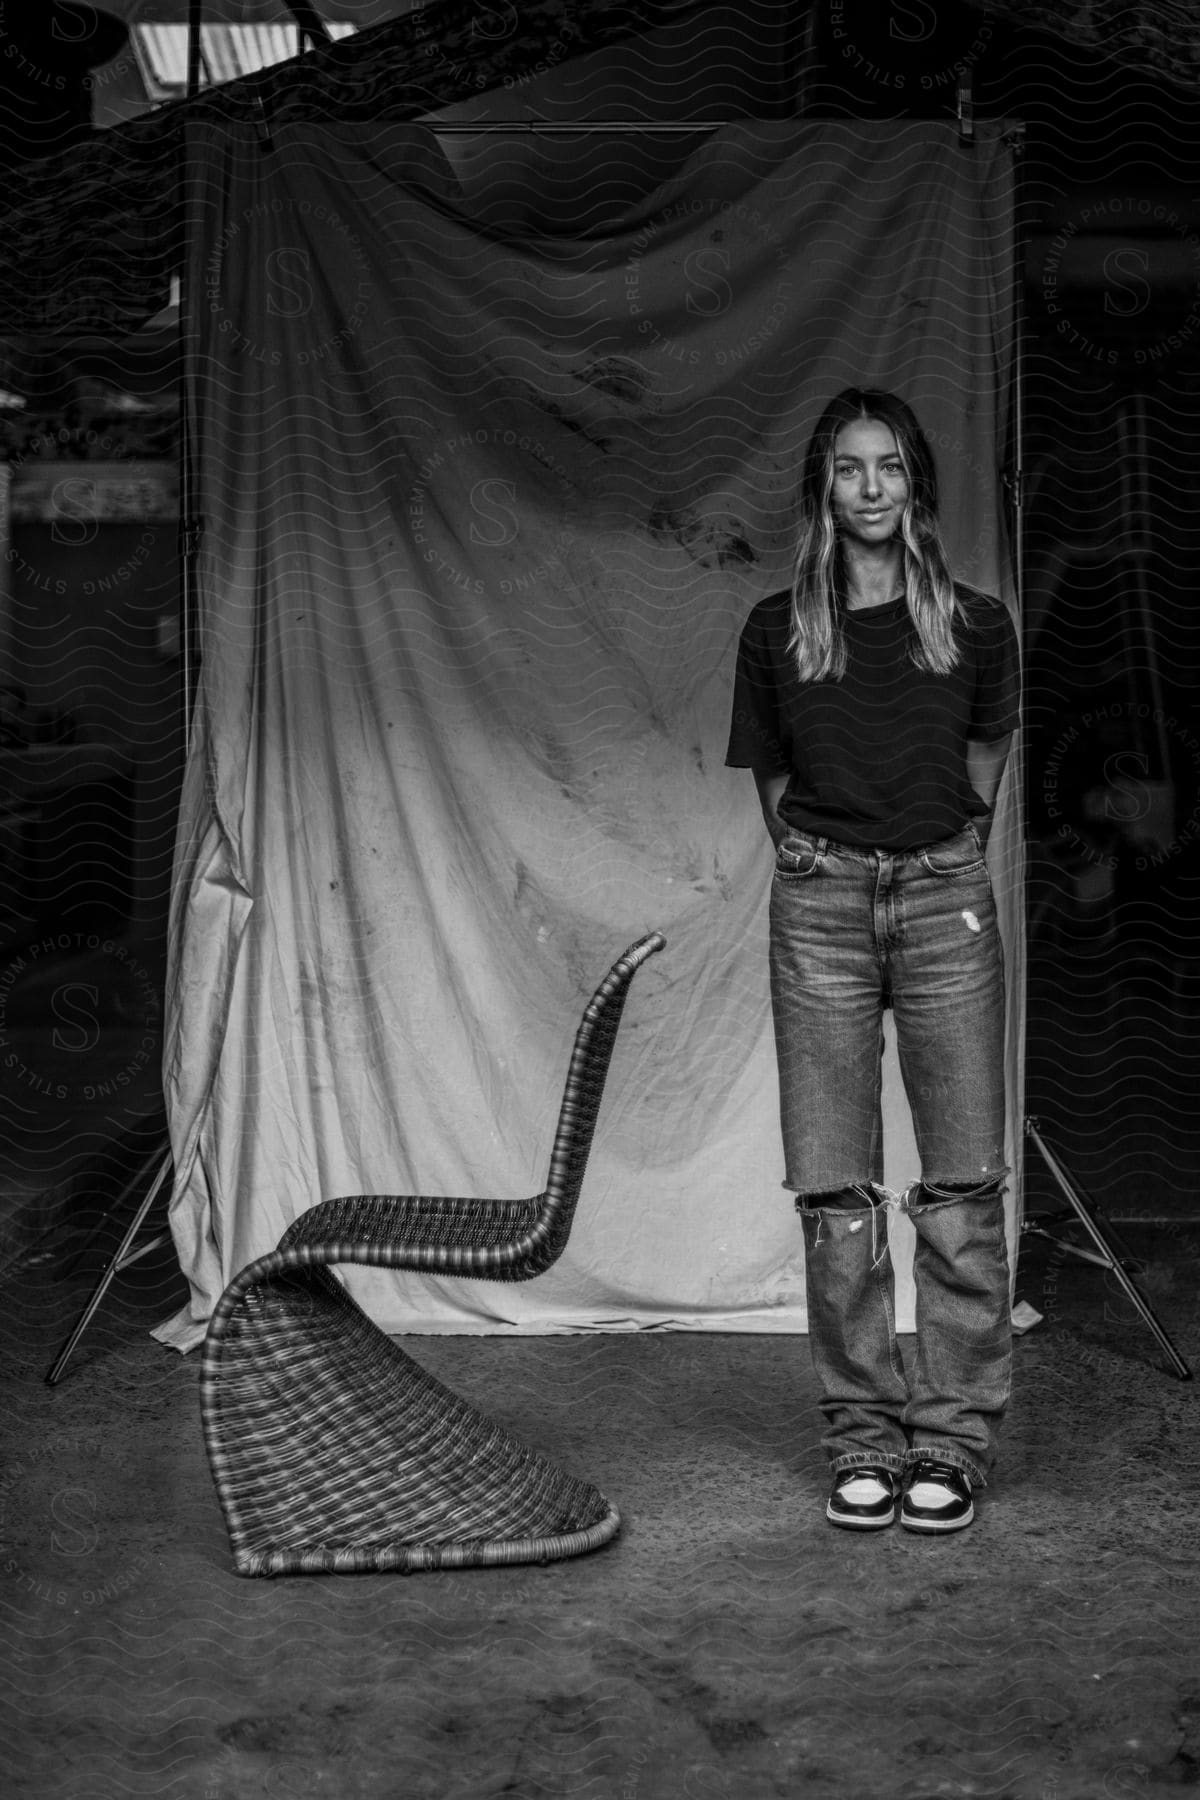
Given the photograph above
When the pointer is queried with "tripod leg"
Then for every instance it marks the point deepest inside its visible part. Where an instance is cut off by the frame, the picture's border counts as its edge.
(120, 1261)
(1090, 1219)
(113, 1210)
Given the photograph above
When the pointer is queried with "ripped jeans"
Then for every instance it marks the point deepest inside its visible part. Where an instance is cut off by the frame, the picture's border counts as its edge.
(853, 931)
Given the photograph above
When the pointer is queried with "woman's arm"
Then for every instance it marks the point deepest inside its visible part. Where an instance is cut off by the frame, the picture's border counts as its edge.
(985, 766)
(770, 793)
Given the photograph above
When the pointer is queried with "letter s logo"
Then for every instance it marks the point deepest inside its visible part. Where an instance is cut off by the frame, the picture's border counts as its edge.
(1138, 293)
(702, 279)
(1129, 786)
(1126, 1779)
(504, 520)
(497, 22)
(84, 1023)
(83, 1538)
(70, 29)
(923, 15)
(294, 300)
(74, 522)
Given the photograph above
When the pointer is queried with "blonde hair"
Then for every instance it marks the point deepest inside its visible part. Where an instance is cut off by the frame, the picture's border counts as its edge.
(818, 583)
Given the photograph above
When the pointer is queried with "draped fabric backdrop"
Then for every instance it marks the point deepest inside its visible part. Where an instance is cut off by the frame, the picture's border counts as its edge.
(482, 520)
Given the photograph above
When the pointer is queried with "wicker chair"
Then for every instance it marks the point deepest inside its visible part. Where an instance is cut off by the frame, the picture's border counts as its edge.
(332, 1450)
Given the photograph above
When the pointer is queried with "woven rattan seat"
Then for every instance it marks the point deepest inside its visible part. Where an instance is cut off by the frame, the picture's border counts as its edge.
(332, 1450)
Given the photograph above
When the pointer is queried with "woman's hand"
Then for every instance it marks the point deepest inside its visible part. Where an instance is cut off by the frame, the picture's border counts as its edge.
(985, 767)
(770, 793)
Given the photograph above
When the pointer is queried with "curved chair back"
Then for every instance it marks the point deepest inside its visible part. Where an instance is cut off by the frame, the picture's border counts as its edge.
(581, 1099)
(499, 1240)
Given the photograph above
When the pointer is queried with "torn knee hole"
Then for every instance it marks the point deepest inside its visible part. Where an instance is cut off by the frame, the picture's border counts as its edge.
(991, 1188)
(857, 1196)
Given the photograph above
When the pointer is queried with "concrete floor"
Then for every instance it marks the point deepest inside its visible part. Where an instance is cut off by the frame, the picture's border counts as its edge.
(730, 1644)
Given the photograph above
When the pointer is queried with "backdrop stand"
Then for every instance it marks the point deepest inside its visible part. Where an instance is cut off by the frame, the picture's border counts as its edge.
(188, 546)
(942, 152)
(1107, 1245)
(124, 1256)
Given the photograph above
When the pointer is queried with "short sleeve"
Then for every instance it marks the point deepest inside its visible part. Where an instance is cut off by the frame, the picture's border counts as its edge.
(758, 739)
(996, 704)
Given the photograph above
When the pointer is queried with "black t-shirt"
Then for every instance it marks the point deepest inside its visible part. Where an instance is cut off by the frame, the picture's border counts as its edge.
(877, 759)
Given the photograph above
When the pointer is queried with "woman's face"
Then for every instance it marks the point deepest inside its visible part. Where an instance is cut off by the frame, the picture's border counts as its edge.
(869, 484)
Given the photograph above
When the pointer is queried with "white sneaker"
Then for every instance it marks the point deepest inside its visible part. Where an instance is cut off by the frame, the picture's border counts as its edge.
(938, 1498)
(864, 1497)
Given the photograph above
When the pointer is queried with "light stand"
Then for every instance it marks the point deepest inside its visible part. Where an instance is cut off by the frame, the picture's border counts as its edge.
(189, 539)
(125, 1254)
(1107, 1244)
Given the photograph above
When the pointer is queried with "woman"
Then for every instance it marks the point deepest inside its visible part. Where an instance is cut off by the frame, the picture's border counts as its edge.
(874, 702)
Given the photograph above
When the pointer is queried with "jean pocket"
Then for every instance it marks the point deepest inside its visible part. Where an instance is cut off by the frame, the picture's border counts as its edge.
(959, 855)
(797, 857)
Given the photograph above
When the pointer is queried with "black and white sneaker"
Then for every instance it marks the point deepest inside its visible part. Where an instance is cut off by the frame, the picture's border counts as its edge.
(938, 1498)
(864, 1498)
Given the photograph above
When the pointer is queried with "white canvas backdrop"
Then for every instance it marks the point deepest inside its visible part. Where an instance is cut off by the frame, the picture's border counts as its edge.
(482, 521)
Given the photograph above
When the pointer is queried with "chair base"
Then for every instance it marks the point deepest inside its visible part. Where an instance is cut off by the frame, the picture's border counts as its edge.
(411, 1559)
(334, 1452)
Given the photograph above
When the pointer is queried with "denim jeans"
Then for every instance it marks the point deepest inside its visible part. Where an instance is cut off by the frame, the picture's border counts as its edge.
(853, 931)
